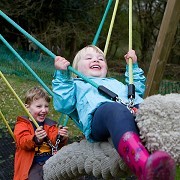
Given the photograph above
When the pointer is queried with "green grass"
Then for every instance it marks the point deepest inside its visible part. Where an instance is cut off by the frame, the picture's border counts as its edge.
(11, 108)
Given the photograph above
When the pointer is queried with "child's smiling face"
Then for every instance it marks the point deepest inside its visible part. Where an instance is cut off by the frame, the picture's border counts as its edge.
(92, 63)
(39, 109)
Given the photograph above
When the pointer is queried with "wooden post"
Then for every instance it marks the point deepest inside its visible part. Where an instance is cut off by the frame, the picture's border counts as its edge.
(163, 46)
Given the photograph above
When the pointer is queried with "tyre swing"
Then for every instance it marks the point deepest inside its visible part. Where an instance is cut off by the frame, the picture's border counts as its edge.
(158, 119)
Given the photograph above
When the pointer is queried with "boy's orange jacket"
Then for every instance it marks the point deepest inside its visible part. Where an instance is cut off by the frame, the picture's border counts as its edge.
(25, 145)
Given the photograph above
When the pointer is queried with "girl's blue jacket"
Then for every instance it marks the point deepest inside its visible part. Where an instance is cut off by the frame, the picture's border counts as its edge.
(79, 99)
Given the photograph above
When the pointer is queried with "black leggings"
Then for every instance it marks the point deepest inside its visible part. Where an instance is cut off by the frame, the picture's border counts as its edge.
(112, 119)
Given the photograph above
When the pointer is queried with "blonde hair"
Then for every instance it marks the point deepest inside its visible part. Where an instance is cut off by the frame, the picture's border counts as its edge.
(36, 93)
(82, 52)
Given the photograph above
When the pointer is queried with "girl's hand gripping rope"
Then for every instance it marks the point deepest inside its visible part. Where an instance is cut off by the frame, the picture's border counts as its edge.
(61, 63)
(131, 54)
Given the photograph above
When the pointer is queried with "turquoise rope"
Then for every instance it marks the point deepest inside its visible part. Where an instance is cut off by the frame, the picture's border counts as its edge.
(66, 121)
(45, 49)
(30, 70)
(26, 34)
(26, 65)
(61, 118)
(53, 55)
(33, 73)
(102, 22)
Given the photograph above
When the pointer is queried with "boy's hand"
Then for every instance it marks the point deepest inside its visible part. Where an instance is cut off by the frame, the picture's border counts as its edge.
(40, 133)
(61, 63)
(63, 131)
(131, 54)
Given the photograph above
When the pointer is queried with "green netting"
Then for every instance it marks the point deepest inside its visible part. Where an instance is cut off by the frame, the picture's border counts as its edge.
(43, 66)
(167, 87)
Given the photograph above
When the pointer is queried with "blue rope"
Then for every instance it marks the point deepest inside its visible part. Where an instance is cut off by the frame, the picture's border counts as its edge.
(102, 22)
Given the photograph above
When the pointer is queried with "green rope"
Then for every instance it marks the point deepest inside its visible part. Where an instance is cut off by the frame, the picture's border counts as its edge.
(102, 22)
(49, 52)
(29, 68)
(45, 49)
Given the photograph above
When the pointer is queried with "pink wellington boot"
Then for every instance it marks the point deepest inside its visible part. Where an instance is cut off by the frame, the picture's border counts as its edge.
(157, 166)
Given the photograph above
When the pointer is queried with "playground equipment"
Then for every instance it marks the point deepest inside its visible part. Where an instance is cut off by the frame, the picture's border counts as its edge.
(76, 171)
(159, 122)
(158, 130)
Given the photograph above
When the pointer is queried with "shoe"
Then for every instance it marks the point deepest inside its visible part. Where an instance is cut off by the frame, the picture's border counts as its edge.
(157, 166)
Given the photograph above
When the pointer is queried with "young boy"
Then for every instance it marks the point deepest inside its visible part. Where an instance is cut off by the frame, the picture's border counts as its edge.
(101, 117)
(32, 148)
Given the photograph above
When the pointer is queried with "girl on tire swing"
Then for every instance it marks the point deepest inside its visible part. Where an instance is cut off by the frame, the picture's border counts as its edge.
(101, 117)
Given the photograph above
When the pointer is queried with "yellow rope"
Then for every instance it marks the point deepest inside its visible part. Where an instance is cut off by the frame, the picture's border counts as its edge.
(130, 36)
(6, 123)
(130, 43)
(110, 28)
(19, 100)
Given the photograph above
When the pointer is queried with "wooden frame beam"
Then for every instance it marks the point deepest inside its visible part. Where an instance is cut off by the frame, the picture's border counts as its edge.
(163, 47)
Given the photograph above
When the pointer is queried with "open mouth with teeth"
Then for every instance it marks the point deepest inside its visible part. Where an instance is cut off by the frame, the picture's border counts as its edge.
(95, 67)
(42, 116)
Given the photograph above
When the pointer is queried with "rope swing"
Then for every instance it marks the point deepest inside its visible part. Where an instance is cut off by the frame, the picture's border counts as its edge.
(104, 153)
(158, 120)
(101, 159)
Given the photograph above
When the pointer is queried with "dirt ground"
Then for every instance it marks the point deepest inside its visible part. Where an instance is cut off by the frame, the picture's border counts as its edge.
(7, 149)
